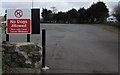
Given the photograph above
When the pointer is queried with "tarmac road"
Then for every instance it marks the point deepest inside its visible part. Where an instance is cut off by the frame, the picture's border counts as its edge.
(78, 48)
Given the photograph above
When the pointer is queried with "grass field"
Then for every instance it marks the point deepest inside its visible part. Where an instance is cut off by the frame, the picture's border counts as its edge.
(108, 27)
(0, 52)
(0, 63)
(2, 27)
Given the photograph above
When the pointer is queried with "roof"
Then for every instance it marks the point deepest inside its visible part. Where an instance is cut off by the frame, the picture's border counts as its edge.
(111, 16)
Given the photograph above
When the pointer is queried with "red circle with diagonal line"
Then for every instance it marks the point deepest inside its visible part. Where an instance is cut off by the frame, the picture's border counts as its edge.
(18, 13)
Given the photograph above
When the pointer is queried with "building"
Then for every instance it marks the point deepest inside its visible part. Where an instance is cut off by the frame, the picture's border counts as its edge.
(112, 19)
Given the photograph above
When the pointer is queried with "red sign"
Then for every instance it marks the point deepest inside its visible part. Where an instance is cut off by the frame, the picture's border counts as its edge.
(19, 21)
(18, 25)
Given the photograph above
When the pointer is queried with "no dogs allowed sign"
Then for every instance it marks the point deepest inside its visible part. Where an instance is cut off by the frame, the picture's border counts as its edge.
(18, 21)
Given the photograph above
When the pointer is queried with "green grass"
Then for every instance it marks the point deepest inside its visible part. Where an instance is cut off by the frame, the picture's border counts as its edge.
(0, 71)
(108, 27)
(2, 27)
(0, 63)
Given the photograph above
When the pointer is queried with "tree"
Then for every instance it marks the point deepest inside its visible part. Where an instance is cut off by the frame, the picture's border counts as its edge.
(117, 11)
(81, 15)
(54, 9)
(53, 15)
(47, 15)
(101, 12)
(72, 15)
(61, 17)
(91, 13)
(98, 12)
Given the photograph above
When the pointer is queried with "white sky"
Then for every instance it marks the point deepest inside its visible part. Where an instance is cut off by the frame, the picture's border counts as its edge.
(58, 0)
(61, 5)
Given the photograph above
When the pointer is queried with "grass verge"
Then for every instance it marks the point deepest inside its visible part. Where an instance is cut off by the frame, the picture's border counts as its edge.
(108, 27)
(2, 27)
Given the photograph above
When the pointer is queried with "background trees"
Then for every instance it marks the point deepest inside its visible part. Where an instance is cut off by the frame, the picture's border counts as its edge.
(96, 13)
(82, 15)
(72, 16)
(117, 11)
(101, 12)
(61, 17)
(47, 15)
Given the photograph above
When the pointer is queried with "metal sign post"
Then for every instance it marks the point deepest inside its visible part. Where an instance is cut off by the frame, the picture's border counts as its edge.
(28, 37)
(7, 37)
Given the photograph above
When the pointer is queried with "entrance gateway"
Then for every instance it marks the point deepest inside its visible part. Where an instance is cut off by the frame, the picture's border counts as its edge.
(26, 21)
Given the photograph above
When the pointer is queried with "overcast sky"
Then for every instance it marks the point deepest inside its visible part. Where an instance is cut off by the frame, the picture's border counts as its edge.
(61, 5)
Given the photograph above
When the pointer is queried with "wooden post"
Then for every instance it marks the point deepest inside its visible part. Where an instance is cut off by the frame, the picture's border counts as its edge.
(28, 37)
(7, 37)
(43, 47)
